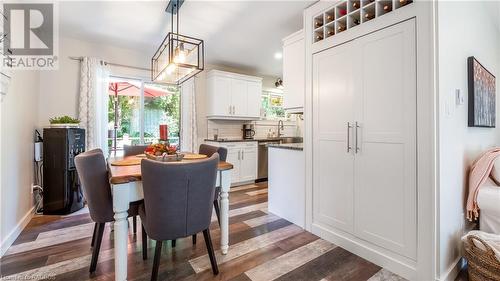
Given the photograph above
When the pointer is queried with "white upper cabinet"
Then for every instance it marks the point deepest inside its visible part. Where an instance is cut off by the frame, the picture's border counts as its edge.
(294, 72)
(233, 96)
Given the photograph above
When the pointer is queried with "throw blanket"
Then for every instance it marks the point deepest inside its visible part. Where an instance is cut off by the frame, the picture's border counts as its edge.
(479, 172)
(491, 239)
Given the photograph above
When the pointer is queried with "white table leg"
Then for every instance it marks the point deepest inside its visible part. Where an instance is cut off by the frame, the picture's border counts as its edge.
(225, 181)
(120, 207)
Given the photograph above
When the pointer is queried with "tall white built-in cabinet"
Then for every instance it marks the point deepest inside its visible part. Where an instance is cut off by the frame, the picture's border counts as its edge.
(363, 145)
(364, 138)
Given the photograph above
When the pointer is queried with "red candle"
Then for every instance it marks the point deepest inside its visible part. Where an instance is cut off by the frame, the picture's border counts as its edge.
(164, 132)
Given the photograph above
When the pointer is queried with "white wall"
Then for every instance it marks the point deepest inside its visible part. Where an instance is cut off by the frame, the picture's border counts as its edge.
(59, 88)
(19, 116)
(459, 145)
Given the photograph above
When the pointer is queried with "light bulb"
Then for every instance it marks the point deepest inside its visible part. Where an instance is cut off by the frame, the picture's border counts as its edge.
(180, 54)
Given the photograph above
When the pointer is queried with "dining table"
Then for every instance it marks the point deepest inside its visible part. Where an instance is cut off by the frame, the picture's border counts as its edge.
(126, 185)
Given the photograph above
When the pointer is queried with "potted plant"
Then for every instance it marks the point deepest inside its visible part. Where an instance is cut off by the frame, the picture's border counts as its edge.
(64, 121)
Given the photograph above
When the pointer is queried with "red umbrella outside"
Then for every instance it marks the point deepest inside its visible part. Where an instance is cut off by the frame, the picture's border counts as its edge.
(128, 89)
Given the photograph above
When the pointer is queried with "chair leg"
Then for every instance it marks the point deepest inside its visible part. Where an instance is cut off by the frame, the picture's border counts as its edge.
(97, 247)
(144, 244)
(194, 239)
(173, 243)
(217, 210)
(93, 235)
(156, 261)
(134, 219)
(210, 249)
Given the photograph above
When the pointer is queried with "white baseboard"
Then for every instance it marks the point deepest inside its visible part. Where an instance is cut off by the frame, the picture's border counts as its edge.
(14, 233)
(402, 266)
(453, 270)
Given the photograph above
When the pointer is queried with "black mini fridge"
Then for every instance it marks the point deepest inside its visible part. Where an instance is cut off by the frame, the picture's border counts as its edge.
(62, 193)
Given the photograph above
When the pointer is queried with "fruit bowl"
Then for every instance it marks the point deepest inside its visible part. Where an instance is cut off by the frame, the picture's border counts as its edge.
(166, 157)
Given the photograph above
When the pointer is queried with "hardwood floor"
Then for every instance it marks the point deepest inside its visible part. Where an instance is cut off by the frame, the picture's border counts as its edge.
(262, 247)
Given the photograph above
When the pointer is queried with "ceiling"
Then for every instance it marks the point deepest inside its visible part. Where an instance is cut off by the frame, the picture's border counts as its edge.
(240, 34)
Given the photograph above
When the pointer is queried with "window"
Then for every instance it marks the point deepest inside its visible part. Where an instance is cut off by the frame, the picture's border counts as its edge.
(136, 109)
(272, 105)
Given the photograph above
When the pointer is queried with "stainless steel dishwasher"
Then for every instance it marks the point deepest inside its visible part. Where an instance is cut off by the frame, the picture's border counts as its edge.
(262, 156)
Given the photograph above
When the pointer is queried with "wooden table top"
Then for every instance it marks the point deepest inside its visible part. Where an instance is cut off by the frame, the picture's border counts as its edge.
(126, 174)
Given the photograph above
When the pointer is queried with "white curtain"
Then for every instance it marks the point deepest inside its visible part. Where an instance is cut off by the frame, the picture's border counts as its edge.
(189, 135)
(93, 103)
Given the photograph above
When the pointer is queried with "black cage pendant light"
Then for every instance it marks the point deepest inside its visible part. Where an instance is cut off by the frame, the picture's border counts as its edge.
(179, 57)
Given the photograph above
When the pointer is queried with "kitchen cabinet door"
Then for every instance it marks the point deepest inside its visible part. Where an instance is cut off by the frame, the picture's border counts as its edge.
(294, 72)
(333, 156)
(248, 169)
(219, 96)
(385, 166)
(254, 93)
(239, 97)
(233, 157)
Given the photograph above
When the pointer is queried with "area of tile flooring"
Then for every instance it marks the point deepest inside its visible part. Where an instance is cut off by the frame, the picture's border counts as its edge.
(262, 247)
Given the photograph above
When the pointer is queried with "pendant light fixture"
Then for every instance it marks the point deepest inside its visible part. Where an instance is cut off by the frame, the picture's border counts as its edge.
(179, 57)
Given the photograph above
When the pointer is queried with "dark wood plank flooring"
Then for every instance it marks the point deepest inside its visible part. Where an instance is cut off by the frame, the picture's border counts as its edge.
(262, 247)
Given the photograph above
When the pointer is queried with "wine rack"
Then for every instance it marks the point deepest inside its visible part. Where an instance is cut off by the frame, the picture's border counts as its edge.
(351, 13)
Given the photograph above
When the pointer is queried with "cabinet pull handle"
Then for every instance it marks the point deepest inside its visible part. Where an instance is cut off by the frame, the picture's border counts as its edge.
(239, 154)
(229, 109)
(234, 110)
(357, 133)
(242, 155)
(348, 137)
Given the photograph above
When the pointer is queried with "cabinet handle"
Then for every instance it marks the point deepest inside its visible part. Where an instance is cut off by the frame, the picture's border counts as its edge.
(357, 146)
(242, 155)
(233, 110)
(239, 154)
(230, 110)
(349, 127)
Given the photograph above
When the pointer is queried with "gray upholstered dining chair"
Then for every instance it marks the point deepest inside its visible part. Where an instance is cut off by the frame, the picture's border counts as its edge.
(209, 150)
(177, 203)
(129, 150)
(93, 175)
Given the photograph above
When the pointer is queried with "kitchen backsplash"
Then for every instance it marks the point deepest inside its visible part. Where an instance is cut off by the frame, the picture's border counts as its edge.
(233, 128)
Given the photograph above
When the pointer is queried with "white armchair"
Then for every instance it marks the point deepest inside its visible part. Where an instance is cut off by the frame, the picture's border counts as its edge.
(488, 200)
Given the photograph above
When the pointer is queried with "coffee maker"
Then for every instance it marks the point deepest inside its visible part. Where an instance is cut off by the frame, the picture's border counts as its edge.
(248, 131)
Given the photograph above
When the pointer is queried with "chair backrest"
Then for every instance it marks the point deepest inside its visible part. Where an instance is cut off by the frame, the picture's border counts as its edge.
(178, 196)
(91, 168)
(129, 150)
(209, 150)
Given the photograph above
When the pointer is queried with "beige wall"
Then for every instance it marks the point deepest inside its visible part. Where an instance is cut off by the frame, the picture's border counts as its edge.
(19, 116)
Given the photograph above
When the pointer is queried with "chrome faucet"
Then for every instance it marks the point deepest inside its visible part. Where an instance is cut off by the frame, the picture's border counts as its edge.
(280, 128)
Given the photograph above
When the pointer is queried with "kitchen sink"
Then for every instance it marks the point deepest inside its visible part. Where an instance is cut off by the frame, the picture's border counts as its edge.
(291, 140)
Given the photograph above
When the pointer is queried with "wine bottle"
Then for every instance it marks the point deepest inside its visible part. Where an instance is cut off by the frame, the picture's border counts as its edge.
(330, 32)
(403, 2)
(318, 23)
(387, 7)
(341, 28)
(355, 21)
(329, 17)
(355, 5)
(369, 16)
(342, 12)
(319, 37)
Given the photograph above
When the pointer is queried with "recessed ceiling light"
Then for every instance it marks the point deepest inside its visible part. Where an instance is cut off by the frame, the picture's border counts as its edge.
(278, 55)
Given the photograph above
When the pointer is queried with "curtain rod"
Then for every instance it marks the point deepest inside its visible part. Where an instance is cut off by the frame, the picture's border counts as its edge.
(114, 64)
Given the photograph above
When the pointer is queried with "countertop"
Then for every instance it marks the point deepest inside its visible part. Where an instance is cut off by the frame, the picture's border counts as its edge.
(291, 146)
